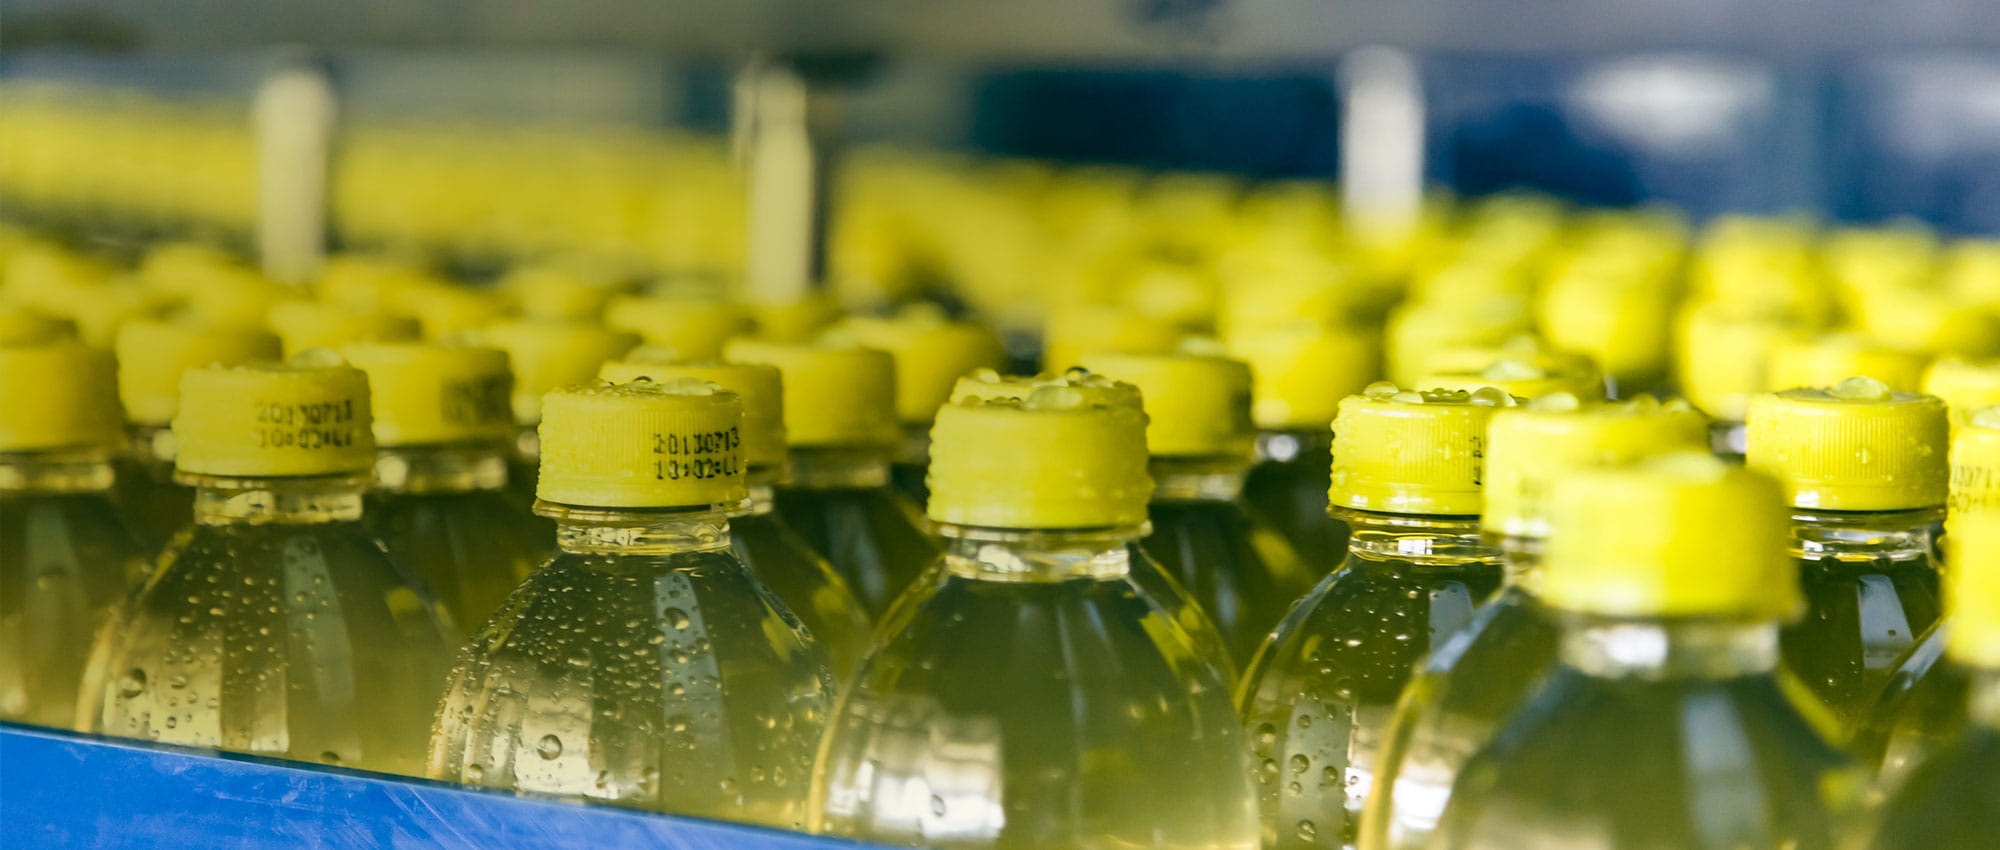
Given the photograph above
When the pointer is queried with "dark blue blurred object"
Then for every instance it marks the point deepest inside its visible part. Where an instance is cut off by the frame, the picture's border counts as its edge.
(61, 790)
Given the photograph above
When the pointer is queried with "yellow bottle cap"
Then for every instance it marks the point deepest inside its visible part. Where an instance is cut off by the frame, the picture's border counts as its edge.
(794, 321)
(1720, 356)
(672, 444)
(1930, 321)
(153, 354)
(556, 292)
(1529, 448)
(1418, 334)
(1071, 331)
(1622, 325)
(21, 325)
(1975, 464)
(695, 328)
(1299, 374)
(369, 283)
(757, 385)
(1829, 359)
(444, 311)
(931, 355)
(306, 416)
(834, 396)
(1854, 446)
(1681, 535)
(313, 324)
(1965, 385)
(546, 355)
(1061, 451)
(1521, 379)
(425, 393)
(1409, 452)
(59, 395)
(1972, 591)
(1196, 405)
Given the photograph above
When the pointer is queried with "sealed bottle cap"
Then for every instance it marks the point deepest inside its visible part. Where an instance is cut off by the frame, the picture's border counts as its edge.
(795, 321)
(153, 354)
(306, 416)
(1975, 464)
(21, 325)
(1522, 358)
(314, 324)
(1826, 360)
(1972, 591)
(550, 354)
(444, 311)
(1529, 448)
(1918, 319)
(1965, 385)
(1854, 446)
(1721, 355)
(557, 292)
(834, 396)
(931, 355)
(1196, 405)
(695, 328)
(58, 395)
(1680, 535)
(1619, 323)
(756, 385)
(1410, 452)
(672, 444)
(1300, 374)
(1071, 331)
(426, 393)
(1062, 451)
(1419, 334)
(1522, 379)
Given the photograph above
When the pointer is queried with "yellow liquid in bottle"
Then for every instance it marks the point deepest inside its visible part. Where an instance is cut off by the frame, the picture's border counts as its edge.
(1240, 571)
(1871, 591)
(442, 513)
(1948, 799)
(278, 626)
(804, 581)
(644, 665)
(841, 502)
(147, 494)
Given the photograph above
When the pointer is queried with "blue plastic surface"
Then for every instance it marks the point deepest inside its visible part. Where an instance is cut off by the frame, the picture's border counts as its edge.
(66, 790)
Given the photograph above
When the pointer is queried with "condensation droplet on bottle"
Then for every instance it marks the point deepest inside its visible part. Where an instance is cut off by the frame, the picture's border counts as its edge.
(937, 805)
(132, 683)
(475, 772)
(1266, 738)
(549, 747)
(1300, 763)
(676, 618)
(1308, 832)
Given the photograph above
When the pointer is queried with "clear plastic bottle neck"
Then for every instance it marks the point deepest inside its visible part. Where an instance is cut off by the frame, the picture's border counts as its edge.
(1284, 445)
(840, 467)
(1876, 537)
(454, 468)
(1728, 439)
(1661, 648)
(151, 445)
(223, 500)
(1039, 555)
(634, 531)
(1197, 479)
(1416, 538)
(762, 481)
(70, 470)
(1520, 560)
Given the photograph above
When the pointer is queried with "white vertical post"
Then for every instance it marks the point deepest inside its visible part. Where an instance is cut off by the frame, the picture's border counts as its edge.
(1381, 142)
(293, 120)
(776, 146)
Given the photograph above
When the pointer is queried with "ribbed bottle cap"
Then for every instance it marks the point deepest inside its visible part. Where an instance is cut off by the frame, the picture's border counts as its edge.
(314, 324)
(834, 396)
(1721, 355)
(1827, 360)
(1196, 405)
(1681, 535)
(1064, 451)
(1975, 464)
(1419, 335)
(757, 385)
(1965, 385)
(1621, 324)
(931, 355)
(672, 444)
(1972, 591)
(1410, 452)
(306, 416)
(58, 395)
(1300, 374)
(1854, 446)
(695, 328)
(1071, 331)
(550, 354)
(1529, 448)
(1522, 379)
(153, 354)
(426, 393)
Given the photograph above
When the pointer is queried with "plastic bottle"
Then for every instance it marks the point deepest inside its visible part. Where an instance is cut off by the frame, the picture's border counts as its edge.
(1298, 377)
(279, 626)
(644, 664)
(1865, 474)
(1318, 695)
(67, 555)
(1720, 356)
(152, 356)
(1668, 722)
(931, 354)
(546, 354)
(1947, 800)
(840, 419)
(776, 554)
(1238, 568)
(443, 428)
(1965, 385)
(1474, 681)
(1029, 694)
